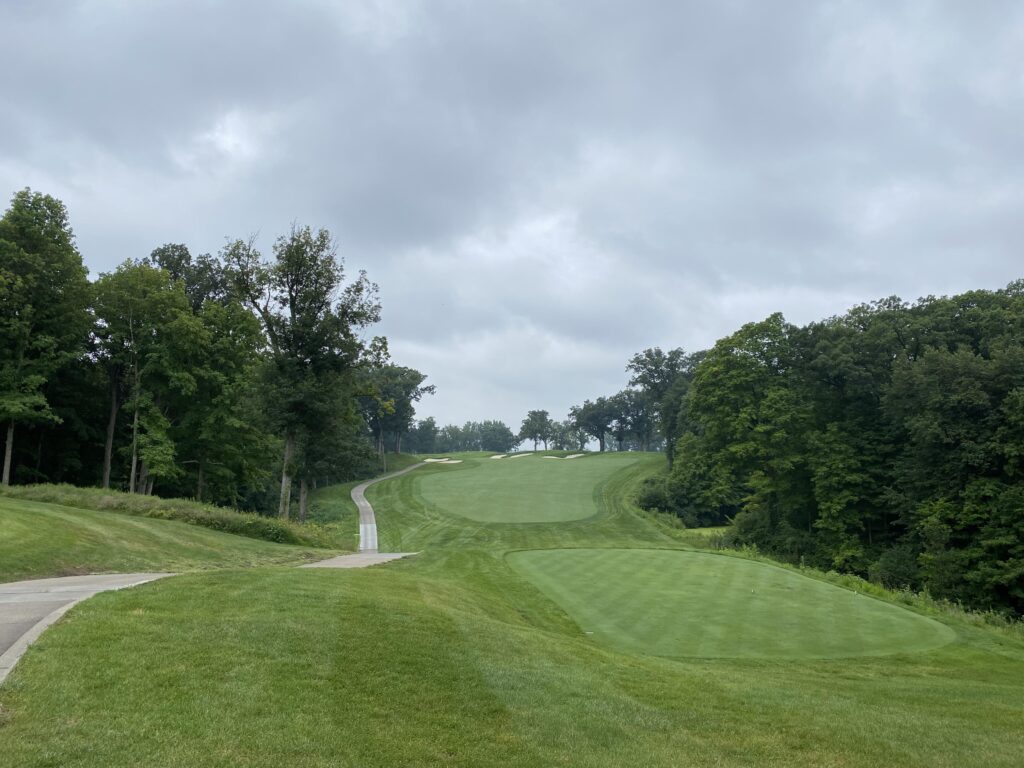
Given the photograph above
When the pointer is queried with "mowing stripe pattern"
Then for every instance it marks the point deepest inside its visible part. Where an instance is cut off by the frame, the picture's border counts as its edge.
(689, 604)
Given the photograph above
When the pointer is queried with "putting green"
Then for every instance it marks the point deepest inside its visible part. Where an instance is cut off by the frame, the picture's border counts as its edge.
(526, 489)
(689, 604)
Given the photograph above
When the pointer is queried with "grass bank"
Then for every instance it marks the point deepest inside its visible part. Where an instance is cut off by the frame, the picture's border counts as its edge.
(39, 540)
(182, 510)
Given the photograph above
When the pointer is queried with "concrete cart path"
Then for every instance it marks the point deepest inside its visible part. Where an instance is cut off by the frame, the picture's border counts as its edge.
(29, 607)
(367, 522)
(359, 560)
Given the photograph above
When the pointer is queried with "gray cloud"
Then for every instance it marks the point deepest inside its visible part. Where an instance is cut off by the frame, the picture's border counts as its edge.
(540, 189)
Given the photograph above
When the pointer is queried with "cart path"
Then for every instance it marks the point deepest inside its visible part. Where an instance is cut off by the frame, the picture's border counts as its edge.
(27, 608)
(367, 522)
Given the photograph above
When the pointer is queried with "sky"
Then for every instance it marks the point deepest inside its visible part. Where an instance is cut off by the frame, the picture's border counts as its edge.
(539, 189)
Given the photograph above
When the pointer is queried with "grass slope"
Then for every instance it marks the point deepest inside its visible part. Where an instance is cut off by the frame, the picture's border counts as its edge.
(183, 510)
(39, 540)
(456, 658)
(527, 489)
(692, 604)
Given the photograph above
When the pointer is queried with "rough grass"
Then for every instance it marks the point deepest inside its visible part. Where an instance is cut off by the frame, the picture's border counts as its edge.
(673, 604)
(39, 540)
(454, 658)
(182, 510)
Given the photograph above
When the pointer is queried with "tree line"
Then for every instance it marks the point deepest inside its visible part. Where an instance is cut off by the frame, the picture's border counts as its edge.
(887, 442)
(232, 378)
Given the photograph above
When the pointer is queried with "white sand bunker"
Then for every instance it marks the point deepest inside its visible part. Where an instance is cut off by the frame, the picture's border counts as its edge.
(552, 457)
(519, 455)
(431, 461)
(575, 455)
(445, 460)
(498, 456)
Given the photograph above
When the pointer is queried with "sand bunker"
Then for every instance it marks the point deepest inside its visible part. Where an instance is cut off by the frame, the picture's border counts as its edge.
(430, 461)
(443, 461)
(575, 455)
(499, 456)
(519, 455)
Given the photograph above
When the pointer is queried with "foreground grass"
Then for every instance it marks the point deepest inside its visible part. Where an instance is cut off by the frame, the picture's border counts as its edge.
(472, 669)
(456, 658)
(39, 540)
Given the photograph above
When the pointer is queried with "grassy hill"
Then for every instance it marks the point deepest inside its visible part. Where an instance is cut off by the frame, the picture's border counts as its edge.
(39, 539)
(593, 640)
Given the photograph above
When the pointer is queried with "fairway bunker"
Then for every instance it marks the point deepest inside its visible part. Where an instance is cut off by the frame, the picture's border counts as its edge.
(681, 604)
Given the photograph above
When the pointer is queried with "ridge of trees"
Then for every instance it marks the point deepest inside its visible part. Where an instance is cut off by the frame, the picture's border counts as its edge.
(886, 442)
(200, 377)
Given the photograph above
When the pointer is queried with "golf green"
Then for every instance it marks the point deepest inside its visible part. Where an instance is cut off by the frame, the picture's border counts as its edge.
(525, 489)
(689, 604)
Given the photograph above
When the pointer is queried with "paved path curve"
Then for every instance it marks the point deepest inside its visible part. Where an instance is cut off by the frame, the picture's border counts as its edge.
(367, 522)
(27, 608)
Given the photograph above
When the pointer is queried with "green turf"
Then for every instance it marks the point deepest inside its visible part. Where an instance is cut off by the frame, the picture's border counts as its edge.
(670, 603)
(534, 488)
(458, 658)
(38, 540)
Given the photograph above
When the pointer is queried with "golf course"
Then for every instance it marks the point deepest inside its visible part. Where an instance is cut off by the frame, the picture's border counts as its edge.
(545, 621)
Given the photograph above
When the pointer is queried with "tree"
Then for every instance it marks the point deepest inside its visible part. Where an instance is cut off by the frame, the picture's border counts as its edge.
(423, 436)
(389, 407)
(496, 436)
(662, 379)
(144, 328)
(203, 277)
(537, 427)
(43, 308)
(311, 320)
(594, 418)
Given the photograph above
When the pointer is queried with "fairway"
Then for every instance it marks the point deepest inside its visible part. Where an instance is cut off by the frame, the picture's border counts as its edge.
(527, 490)
(688, 604)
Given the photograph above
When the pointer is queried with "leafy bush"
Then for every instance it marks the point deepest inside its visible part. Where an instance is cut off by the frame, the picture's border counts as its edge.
(182, 510)
(896, 569)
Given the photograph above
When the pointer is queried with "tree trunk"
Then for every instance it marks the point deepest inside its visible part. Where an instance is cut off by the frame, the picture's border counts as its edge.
(108, 450)
(303, 499)
(143, 482)
(39, 453)
(149, 486)
(284, 506)
(135, 447)
(8, 453)
(600, 443)
(199, 483)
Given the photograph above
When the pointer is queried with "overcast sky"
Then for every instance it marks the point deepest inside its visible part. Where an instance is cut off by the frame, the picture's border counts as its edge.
(540, 189)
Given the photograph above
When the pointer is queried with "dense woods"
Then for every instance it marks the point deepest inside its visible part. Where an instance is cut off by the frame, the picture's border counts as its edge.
(231, 378)
(888, 442)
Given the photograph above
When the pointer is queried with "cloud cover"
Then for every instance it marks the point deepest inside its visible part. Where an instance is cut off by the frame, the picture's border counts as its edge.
(540, 189)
